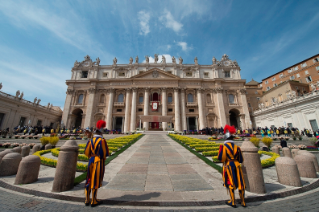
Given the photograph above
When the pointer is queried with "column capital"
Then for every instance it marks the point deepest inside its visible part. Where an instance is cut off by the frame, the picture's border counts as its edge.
(91, 90)
(110, 90)
(242, 91)
(183, 90)
(218, 90)
(70, 91)
(134, 89)
(176, 89)
(200, 90)
(147, 89)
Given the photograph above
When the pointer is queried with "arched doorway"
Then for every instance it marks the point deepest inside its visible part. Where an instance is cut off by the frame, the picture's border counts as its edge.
(234, 118)
(155, 97)
(77, 113)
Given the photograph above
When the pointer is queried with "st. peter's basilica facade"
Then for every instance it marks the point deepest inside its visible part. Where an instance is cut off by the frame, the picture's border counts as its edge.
(157, 95)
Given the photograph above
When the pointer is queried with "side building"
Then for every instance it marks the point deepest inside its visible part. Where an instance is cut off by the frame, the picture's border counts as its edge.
(156, 96)
(15, 111)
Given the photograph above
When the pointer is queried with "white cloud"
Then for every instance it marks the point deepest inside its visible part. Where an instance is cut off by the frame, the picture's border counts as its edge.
(168, 47)
(66, 24)
(184, 46)
(169, 21)
(167, 57)
(144, 19)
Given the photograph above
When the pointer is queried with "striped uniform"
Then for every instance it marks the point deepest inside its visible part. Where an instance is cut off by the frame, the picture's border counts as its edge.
(96, 150)
(230, 154)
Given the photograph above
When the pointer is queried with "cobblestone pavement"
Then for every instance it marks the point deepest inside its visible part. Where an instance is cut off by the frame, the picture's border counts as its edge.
(13, 201)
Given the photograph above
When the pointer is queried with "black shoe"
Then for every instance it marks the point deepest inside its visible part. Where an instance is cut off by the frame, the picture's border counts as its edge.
(243, 205)
(98, 203)
(228, 203)
(87, 203)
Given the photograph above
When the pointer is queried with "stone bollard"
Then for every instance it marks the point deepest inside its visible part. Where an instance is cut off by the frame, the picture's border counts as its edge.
(48, 146)
(10, 164)
(35, 148)
(3, 153)
(28, 171)
(17, 149)
(66, 167)
(302, 151)
(252, 169)
(313, 157)
(305, 165)
(286, 152)
(275, 150)
(294, 152)
(287, 171)
(25, 151)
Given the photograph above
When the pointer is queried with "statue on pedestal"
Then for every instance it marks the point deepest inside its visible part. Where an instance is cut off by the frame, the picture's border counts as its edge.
(155, 58)
(98, 61)
(18, 93)
(147, 59)
(131, 60)
(214, 60)
(136, 59)
(163, 59)
(35, 100)
(173, 60)
(196, 61)
(180, 60)
(114, 61)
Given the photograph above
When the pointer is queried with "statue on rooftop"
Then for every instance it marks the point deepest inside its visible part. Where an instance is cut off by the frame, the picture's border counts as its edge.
(136, 59)
(180, 60)
(155, 58)
(173, 60)
(131, 60)
(147, 59)
(114, 61)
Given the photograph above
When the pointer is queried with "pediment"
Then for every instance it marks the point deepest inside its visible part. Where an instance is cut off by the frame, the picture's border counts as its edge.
(155, 74)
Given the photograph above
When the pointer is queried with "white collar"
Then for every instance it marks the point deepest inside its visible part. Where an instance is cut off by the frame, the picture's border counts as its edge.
(228, 141)
(98, 136)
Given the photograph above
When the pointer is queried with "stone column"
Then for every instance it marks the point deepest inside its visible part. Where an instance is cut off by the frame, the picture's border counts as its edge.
(67, 106)
(242, 120)
(183, 105)
(177, 126)
(66, 167)
(133, 111)
(164, 107)
(200, 109)
(127, 110)
(221, 107)
(146, 106)
(89, 109)
(110, 110)
(252, 169)
(245, 108)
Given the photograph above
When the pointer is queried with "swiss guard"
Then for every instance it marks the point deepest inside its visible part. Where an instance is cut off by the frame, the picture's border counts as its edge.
(231, 157)
(96, 150)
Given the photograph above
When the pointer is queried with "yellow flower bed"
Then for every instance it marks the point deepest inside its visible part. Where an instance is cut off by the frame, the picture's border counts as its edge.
(80, 166)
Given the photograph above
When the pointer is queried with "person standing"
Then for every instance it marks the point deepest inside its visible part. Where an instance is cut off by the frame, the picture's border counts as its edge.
(231, 157)
(283, 142)
(96, 150)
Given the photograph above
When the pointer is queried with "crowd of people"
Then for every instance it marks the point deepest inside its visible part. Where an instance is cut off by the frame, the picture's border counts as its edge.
(270, 132)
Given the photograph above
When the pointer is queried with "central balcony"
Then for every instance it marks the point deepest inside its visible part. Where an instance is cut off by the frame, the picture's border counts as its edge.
(119, 104)
(191, 104)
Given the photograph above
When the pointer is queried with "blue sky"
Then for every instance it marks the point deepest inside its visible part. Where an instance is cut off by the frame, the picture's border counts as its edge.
(40, 40)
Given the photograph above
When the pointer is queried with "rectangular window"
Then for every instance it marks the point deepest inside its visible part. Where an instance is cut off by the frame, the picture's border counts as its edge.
(317, 68)
(275, 84)
(191, 110)
(304, 65)
(281, 75)
(140, 99)
(298, 75)
(170, 99)
(227, 74)
(266, 82)
(268, 88)
(84, 74)
(140, 72)
(316, 60)
(307, 72)
(290, 70)
(122, 74)
(1, 119)
(118, 110)
(274, 78)
(39, 123)
(296, 68)
(169, 72)
(170, 110)
(308, 79)
(292, 77)
(105, 74)
(261, 85)
(206, 74)
(140, 110)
